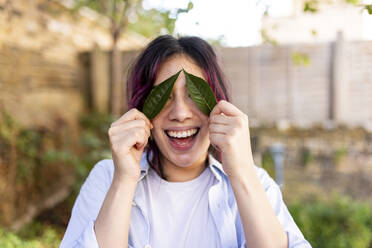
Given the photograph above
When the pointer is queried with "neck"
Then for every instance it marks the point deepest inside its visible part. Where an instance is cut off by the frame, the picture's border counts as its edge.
(174, 173)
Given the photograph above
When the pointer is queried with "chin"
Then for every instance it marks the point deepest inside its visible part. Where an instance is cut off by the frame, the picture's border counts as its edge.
(183, 160)
(189, 158)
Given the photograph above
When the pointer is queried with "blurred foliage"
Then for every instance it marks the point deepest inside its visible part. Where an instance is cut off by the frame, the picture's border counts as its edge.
(301, 59)
(314, 32)
(154, 22)
(339, 155)
(359, 3)
(40, 149)
(369, 8)
(116, 10)
(131, 15)
(339, 222)
(7, 127)
(306, 157)
(93, 146)
(93, 141)
(35, 148)
(218, 41)
(266, 39)
(31, 148)
(39, 236)
(267, 162)
(311, 6)
(354, 2)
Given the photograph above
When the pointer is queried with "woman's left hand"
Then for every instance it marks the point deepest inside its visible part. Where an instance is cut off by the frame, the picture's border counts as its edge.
(229, 133)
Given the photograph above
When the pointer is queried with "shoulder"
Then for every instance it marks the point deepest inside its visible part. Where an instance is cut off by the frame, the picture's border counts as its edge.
(100, 175)
(103, 168)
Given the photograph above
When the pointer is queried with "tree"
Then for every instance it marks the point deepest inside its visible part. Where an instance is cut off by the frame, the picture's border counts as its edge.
(312, 5)
(121, 14)
(157, 21)
(117, 11)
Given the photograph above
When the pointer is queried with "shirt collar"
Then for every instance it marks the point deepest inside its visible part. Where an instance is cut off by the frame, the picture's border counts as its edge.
(214, 165)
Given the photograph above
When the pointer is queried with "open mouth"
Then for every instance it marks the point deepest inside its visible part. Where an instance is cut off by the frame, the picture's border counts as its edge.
(182, 140)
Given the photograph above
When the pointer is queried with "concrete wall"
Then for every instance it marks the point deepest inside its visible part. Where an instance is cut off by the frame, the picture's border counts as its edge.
(359, 58)
(269, 87)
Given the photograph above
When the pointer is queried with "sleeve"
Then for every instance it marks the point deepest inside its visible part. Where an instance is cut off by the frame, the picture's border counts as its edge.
(295, 237)
(80, 230)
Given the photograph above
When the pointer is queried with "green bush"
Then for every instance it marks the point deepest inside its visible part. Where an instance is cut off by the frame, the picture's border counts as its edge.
(338, 222)
(48, 238)
(267, 163)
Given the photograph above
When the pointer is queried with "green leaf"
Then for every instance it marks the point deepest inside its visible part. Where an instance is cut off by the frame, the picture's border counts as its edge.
(200, 92)
(159, 96)
(369, 8)
(354, 2)
(311, 6)
(301, 59)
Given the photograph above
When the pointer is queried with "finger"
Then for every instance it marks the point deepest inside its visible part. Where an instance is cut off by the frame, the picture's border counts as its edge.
(135, 132)
(127, 142)
(217, 128)
(133, 114)
(142, 139)
(142, 144)
(131, 138)
(217, 139)
(128, 125)
(220, 119)
(224, 107)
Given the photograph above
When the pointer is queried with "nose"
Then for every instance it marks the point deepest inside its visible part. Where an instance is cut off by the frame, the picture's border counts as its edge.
(181, 109)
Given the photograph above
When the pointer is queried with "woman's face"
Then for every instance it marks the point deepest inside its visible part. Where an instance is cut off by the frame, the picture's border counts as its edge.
(181, 128)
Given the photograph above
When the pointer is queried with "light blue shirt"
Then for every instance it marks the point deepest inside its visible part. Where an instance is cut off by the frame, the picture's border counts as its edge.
(222, 205)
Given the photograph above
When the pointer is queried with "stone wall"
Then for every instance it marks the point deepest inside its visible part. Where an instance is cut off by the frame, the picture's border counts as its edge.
(319, 161)
(35, 89)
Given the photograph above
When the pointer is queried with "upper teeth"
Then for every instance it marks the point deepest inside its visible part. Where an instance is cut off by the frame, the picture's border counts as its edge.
(182, 134)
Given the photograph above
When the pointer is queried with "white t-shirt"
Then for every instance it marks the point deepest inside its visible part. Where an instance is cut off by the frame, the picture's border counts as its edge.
(178, 212)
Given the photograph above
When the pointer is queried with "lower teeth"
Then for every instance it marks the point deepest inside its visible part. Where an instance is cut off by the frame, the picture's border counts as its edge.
(181, 137)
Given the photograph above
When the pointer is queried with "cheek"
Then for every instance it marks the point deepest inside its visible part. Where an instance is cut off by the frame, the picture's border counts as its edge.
(205, 129)
(205, 120)
(156, 130)
(157, 133)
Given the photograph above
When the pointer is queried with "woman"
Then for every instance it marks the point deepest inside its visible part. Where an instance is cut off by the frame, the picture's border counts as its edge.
(163, 187)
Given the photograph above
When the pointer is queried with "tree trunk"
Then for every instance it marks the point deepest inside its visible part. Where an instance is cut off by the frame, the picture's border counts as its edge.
(116, 100)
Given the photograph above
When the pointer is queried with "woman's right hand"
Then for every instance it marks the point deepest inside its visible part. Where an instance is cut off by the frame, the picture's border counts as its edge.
(128, 137)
